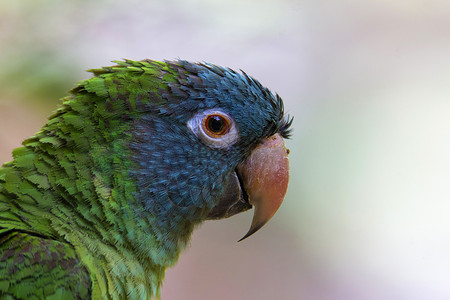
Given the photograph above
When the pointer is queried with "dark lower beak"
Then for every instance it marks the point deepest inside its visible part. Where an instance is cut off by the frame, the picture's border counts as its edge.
(233, 200)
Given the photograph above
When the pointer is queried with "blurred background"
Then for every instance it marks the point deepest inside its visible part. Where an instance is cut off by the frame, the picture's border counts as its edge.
(367, 215)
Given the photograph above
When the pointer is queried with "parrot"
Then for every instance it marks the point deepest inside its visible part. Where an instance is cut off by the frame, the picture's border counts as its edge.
(105, 197)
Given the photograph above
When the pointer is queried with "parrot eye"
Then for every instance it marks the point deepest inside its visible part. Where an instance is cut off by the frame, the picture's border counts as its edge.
(216, 125)
(215, 128)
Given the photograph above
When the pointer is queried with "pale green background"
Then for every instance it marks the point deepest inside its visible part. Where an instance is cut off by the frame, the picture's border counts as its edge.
(367, 215)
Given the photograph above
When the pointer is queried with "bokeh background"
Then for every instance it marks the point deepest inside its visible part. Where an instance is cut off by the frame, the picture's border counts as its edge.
(367, 215)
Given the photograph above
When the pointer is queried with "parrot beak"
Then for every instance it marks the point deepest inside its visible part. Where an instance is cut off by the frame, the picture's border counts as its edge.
(265, 177)
(260, 181)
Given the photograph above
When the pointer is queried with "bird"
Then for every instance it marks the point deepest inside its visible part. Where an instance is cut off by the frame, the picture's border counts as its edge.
(105, 197)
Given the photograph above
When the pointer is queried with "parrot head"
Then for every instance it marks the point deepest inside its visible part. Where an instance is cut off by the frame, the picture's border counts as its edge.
(210, 145)
(197, 142)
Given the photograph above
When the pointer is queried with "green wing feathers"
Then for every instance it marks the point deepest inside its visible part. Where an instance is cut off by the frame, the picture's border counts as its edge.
(62, 193)
(33, 267)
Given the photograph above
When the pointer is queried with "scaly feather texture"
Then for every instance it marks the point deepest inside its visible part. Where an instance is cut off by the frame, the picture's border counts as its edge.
(105, 197)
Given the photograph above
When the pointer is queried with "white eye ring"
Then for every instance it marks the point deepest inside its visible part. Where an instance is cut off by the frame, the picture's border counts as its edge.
(223, 138)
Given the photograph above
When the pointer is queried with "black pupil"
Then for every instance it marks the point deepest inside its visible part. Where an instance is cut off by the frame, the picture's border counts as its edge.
(216, 124)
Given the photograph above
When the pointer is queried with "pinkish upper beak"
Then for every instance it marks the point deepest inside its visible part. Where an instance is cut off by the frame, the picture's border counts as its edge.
(265, 177)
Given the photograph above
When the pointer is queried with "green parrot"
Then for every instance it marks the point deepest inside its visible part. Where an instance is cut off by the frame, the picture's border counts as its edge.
(106, 195)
